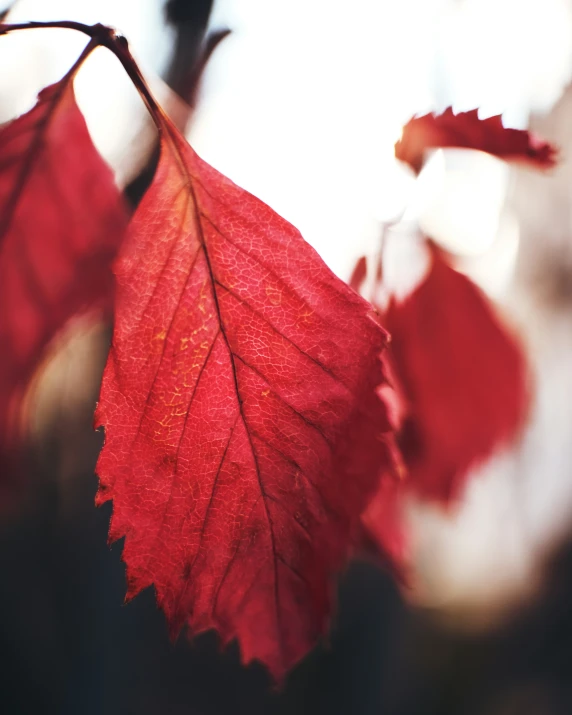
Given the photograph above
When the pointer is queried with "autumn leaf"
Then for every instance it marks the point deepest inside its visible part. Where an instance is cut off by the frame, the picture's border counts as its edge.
(461, 392)
(359, 274)
(460, 377)
(466, 130)
(243, 434)
(385, 528)
(61, 220)
(463, 375)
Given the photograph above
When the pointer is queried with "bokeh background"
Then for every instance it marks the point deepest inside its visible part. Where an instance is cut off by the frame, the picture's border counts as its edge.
(301, 105)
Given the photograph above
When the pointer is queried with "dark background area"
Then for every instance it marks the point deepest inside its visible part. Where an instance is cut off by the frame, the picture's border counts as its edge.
(68, 645)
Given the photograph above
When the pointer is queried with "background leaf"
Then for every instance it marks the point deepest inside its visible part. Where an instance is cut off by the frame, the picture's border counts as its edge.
(61, 221)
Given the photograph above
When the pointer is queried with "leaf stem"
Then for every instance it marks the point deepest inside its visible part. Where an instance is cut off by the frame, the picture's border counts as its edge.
(103, 36)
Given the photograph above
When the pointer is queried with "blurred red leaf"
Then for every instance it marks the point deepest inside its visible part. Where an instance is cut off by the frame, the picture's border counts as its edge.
(466, 130)
(463, 377)
(359, 274)
(243, 434)
(460, 392)
(386, 528)
(61, 220)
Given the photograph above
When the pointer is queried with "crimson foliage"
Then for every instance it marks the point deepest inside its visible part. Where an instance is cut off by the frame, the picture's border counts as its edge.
(249, 421)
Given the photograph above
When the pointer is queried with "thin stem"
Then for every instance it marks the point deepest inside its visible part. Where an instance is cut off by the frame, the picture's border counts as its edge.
(106, 37)
(120, 48)
(86, 52)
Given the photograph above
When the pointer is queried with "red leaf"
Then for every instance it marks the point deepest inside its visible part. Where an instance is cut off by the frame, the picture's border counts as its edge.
(61, 220)
(463, 377)
(243, 432)
(383, 519)
(359, 274)
(466, 130)
(385, 525)
(461, 392)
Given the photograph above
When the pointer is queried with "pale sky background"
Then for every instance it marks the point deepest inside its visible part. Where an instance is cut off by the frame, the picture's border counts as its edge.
(303, 103)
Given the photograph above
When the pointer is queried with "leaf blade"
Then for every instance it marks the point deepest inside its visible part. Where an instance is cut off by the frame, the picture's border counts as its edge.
(462, 392)
(248, 445)
(61, 221)
(465, 130)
